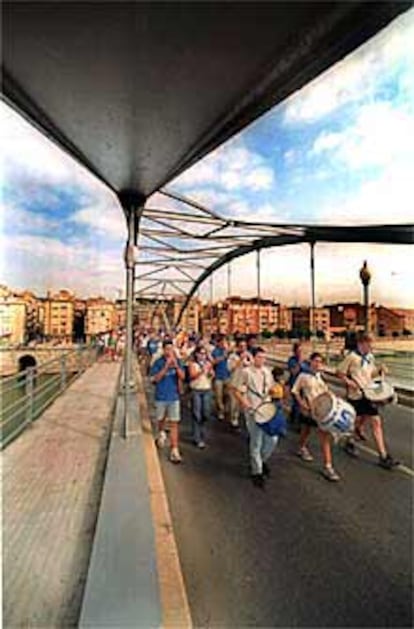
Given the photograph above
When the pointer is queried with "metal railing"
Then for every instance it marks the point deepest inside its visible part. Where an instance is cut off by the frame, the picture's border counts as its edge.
(400, 364)
(25, 395)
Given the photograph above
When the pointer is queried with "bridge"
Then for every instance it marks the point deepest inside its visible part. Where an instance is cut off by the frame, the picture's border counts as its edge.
(89, 540)
(13, 360)
(99, 530)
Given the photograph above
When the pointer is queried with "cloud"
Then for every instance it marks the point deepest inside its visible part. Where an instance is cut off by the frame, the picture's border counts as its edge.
(105, 217)
(358, 76)
(41, 262)
(380, 134)
(229, 168)
(384, 199)
(28, 154)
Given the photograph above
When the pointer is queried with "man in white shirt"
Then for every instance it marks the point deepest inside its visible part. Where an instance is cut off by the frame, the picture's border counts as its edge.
(357, 371)
(307, 386)
(251, 387)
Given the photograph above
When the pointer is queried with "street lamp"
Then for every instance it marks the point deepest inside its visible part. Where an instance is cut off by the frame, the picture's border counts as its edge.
(365, 277)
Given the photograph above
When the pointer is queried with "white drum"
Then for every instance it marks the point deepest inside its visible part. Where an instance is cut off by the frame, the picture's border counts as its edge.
(333, 414)
(379, 392)
(265, 412)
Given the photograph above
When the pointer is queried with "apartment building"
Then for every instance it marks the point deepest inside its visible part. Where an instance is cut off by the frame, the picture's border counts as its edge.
(57, 317)
(12, 318)
(100, 317)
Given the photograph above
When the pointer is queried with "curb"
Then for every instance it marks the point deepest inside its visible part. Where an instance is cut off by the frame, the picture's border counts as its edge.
(174, 602)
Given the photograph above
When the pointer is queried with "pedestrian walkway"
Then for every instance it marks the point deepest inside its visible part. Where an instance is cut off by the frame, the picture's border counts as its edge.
(52, 480)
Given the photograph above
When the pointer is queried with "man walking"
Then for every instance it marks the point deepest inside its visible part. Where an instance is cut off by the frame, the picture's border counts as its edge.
(252, 386)
(167, 374)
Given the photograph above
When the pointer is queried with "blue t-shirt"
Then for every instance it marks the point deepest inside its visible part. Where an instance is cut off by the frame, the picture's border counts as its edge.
(166, 390)
(152, 347)
(221, 370)
(303, 368)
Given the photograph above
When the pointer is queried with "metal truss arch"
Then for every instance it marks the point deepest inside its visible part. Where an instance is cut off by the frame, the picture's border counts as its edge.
(182, 243)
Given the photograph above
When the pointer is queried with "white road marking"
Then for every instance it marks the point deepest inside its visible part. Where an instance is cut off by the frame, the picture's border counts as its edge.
(400, 468)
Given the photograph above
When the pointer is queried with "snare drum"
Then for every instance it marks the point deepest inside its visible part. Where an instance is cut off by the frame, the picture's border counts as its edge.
(271, 418)
(333, 414)
(265, 412)
(379, 392)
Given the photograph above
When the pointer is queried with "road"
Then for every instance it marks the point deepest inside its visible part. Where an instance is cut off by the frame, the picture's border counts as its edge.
(304, 552)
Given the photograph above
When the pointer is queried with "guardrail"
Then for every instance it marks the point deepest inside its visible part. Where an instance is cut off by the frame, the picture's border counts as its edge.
(24, 396)
(400, 364)
(405, 394)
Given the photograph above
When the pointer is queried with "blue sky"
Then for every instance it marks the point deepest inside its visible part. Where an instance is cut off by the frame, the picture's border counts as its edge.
(338, 151)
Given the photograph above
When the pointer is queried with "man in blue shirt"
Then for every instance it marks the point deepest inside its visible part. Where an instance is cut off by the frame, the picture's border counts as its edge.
(221, 374)
(296, 365)
(167, 373)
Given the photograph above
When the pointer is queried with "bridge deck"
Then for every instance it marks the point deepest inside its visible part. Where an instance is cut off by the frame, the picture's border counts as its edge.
(52, 478)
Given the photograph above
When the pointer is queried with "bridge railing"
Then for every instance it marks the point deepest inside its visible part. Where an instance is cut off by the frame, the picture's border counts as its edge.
(25, 395)
(399, 364)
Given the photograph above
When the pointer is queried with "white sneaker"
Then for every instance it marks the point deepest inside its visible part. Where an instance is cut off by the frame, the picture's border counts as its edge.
(175, 456)
(305, 455)
(161, 439)
(330, 474)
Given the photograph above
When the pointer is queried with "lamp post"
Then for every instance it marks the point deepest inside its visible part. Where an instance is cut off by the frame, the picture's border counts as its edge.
(365, 277)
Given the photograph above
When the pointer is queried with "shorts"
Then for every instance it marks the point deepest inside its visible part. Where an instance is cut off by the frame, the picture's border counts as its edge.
(364, 407)
(305, 420)
(168, 410)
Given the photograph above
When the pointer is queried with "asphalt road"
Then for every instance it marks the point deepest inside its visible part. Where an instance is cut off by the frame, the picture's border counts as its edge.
(304, 552)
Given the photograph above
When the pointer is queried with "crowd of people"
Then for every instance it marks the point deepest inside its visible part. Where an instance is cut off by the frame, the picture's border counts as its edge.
(230, 382)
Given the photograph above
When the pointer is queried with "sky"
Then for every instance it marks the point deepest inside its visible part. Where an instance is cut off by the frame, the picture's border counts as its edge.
(340, 150)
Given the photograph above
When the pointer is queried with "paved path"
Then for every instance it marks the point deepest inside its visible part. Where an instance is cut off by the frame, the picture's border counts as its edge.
(304, 553)
(52, 478)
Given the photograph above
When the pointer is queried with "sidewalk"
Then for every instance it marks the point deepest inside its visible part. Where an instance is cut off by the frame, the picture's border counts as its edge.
(52, 480)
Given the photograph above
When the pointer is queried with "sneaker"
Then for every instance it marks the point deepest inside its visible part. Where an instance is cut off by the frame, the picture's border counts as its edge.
(201, 445)
(221, 416)
(258, 480)
(387, 462)
(161, 439)
(266, 470)
(350, 449)
(304, 454)
(330, 474)
(175, 456)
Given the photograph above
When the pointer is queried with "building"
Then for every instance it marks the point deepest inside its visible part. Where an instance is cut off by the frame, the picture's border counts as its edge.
(79, 320)
(100, 317)
(12, 318)
(349, 316)
(408, 315)
(34, 328)
(387, 321)
(58, 315)
(190, 319)
(321, 321)
(242, 315)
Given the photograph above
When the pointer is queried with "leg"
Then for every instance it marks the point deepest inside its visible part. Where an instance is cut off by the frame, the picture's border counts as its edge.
(234, 411)
(174, 417)
(378, 434)
(196, 403)
(325, 443)
(219, 393)
(268, 446)
(255, 446)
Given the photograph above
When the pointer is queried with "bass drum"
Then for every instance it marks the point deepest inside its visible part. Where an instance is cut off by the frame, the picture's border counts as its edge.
(333, 414)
